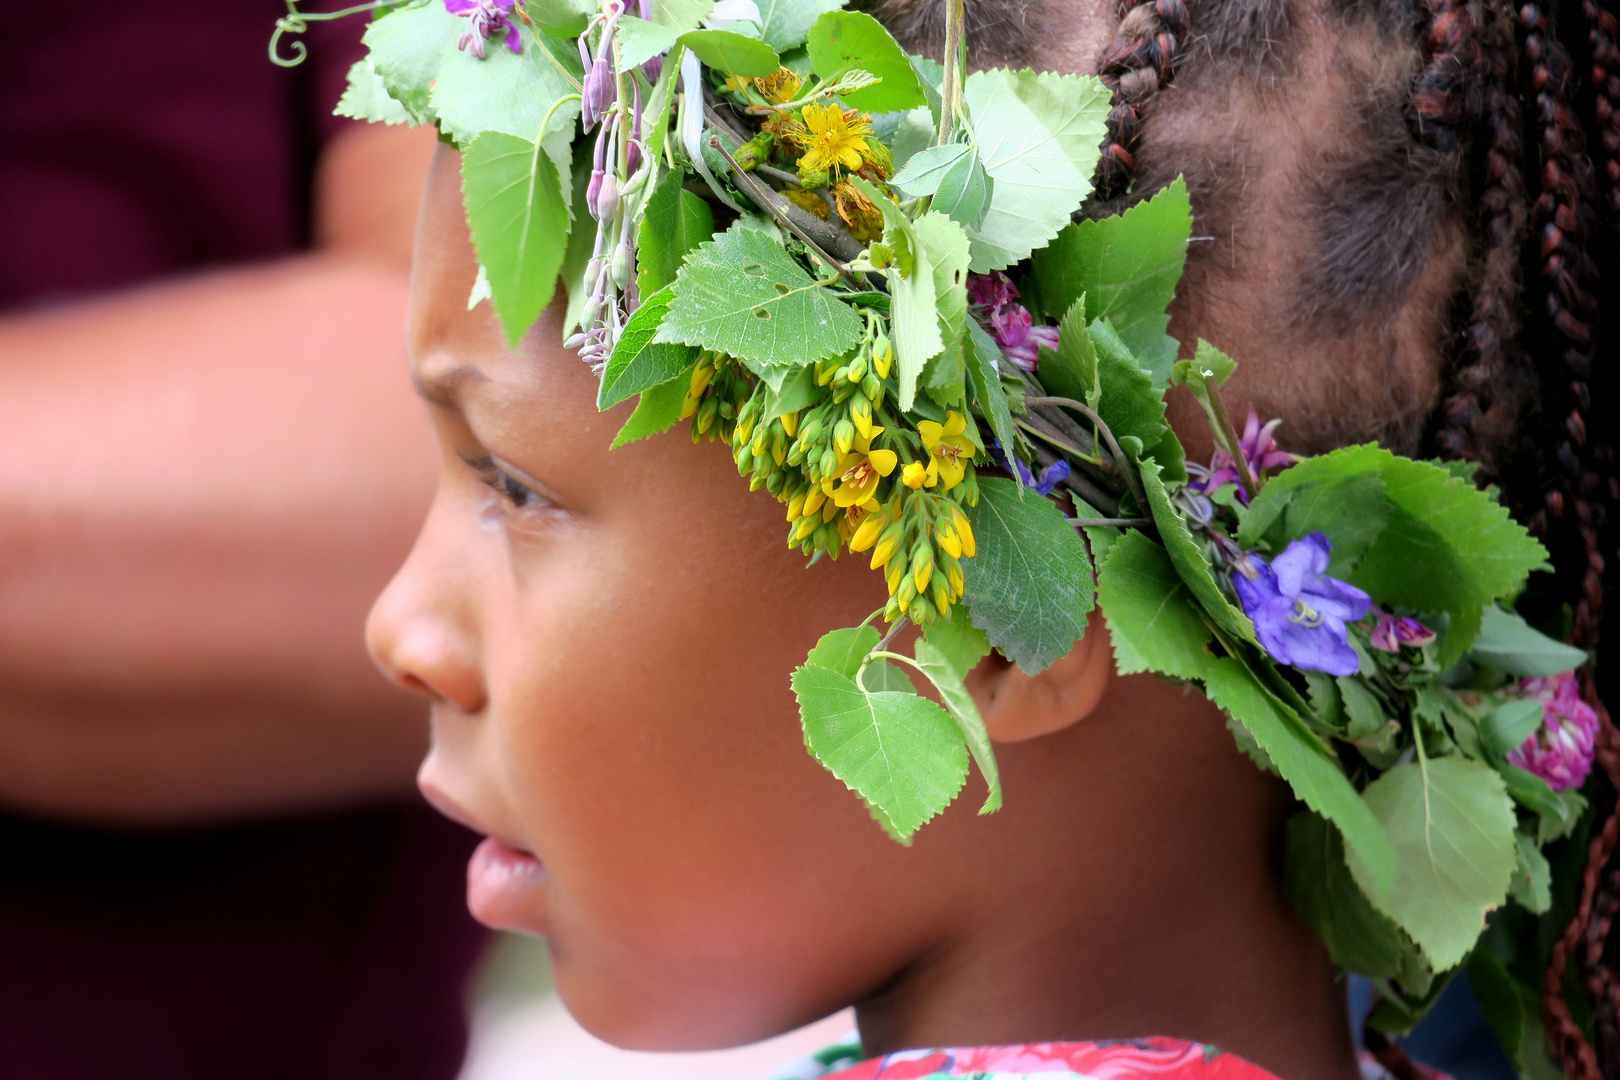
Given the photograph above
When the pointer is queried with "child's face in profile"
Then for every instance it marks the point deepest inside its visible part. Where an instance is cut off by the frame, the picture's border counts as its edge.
(606, 638)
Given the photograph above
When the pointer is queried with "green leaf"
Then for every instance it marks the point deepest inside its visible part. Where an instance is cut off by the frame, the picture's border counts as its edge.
(786, 23)
(1509, 644)
(941, 671)
(1359, 937)
(902, 754)
(1350, 511)
(1531, 791)
(1070, 370)
(1130, 403)
(907, 134)
(1513, 1010)
(742, 294)
(1532, 876)
(638, 363)
(1154, 622)
(1189, 559)
(581, 243)
(503, 92)
(1451, 823)
(519, 224)
(1310, 768)
(1028, 587)
(946, 246)
(406, 46)
(676, 221)
(1507, 726)
(1462, 627)
(682, 15)
(1362, 709)
(657, 411)
(564, 18)
(958, 640)
(655, 115)
(914, 323)
(1446, 546)
(640, 40)
(843, 41)
(798, 391)
(1039, 136)
(733, 53)
(925, 171)
(1126, 267)
(955, 178)
(367, 98)
(845, 650)
(981, 353)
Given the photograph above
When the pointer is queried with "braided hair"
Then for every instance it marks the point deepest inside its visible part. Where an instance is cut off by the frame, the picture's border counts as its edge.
(1538, 147)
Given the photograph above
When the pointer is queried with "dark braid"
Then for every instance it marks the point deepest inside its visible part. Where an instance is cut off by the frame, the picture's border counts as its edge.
(1141, 60)
(1602, 32)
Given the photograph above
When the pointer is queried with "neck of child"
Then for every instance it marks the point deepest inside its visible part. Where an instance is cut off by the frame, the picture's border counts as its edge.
(1130, 888)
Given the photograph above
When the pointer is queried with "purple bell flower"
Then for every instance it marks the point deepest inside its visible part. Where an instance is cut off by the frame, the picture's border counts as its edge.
(1299, 613)
(1561, 750)
(1258, 445)
(1051, 476)
(485, 19)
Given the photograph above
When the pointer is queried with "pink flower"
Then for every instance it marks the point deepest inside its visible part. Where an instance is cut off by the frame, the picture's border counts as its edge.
(1560, 752)
(1011, 324)
(1258, 445)
(1391, 633)
(485, 19)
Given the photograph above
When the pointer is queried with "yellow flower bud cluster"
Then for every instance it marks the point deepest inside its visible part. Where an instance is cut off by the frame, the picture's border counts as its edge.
(918, 540)
(844, 476)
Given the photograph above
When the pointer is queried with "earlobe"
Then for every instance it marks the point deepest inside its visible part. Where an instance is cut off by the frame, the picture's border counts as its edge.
(1018, 706)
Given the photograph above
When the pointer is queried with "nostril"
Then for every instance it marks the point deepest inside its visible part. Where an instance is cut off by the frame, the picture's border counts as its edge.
(414, 684)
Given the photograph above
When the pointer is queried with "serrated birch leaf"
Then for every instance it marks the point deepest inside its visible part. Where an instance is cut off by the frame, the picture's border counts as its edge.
(958, 640)
(1029, 586)
(786, 23)
(519, 224)
(1189, 559)
(1532, 876)
(914, 323)
(1310, 768)
(366, 98)
(1451, 823)
(1127, 267)
(947, 246)
(843, 650)
(504, 92)
(1153, 620)
(682, 15)
(406, 46)
(742, 294)
(640, 40)
(732, 53)
(656, 412)
(581, 241)
(902, 754)
(676, 221)
(924, 172)
(842, 41)
(1039, 137)
(981, 353)
(953, 692)
(638, 362)
(1359, 937)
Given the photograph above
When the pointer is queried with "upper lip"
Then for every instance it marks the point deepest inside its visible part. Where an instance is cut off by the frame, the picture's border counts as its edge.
(453, 810)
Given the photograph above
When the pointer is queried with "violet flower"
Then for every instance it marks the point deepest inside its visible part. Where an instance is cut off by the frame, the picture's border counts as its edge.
(1011, 324)
(485, 19)
(1051, 476)
(1258, 445)
(1391, 633)
(1299, 613)
(1561, 750)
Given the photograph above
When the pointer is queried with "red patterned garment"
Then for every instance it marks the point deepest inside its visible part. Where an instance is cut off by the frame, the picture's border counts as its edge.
(1134, 1059)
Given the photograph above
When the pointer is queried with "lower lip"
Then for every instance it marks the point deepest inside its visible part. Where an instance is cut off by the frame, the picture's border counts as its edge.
(504, 887)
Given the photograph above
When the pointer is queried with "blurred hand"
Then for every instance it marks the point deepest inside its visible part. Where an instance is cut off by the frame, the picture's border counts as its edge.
(203, 485)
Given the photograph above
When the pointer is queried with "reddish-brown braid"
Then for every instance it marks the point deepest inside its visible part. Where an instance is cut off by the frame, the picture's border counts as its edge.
(1141, 59)
(1603, 31)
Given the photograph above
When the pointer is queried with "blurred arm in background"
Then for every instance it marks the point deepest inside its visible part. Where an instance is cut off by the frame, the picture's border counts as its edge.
(203, 485)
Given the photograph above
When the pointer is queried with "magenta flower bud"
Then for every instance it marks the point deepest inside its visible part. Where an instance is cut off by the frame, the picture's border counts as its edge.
(1561, 750)
(607, 198)
(593, 190)
(1392, 633)
(600, 92)
(574, 341)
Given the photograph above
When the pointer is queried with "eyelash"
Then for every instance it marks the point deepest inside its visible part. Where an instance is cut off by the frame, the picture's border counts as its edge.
(516, 493)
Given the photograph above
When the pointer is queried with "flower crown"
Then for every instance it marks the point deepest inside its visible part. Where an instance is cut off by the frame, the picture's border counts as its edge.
(773, 223)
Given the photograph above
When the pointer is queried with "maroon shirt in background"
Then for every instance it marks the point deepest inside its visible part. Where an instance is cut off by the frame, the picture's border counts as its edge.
(139, 141)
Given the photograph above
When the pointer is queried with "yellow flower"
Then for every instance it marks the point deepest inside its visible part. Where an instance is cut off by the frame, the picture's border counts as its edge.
(857, 475)
(880, 163)
(914, 475)
(868, 520)
(736, 84)
(779, 88)
(964, 532)
(948, 450)
(809, 202)
(833, 137)
(860, 412)
(864, 219)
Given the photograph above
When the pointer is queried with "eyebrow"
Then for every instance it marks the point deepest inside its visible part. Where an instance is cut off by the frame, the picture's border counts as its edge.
(443, 388)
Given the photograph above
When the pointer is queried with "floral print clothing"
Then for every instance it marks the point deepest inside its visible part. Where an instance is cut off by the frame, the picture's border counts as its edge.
(1133, 1059)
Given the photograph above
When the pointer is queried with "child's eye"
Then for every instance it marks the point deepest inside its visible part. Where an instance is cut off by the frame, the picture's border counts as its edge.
(518, 494)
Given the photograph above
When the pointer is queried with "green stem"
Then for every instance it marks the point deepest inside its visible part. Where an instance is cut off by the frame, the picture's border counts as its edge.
(955, 65)
(296, 22)
(545, 125)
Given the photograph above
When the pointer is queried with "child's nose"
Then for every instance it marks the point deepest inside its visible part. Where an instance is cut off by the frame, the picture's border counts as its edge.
(421, 634)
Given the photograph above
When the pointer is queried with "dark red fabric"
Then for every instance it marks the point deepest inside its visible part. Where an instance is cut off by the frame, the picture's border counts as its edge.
(139, 140)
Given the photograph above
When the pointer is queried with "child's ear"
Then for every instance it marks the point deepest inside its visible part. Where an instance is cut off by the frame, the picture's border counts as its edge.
(1018, 706)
